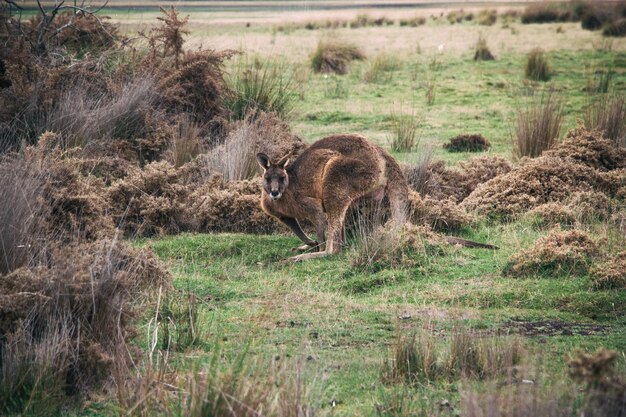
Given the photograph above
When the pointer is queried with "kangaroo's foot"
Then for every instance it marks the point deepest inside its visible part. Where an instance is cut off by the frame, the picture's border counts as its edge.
(307, 256)
(307, 247)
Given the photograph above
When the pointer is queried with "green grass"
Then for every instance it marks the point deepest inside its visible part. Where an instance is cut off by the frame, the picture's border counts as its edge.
(346, 320)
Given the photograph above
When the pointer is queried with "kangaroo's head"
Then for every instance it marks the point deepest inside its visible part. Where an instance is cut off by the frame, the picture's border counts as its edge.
(275, 178)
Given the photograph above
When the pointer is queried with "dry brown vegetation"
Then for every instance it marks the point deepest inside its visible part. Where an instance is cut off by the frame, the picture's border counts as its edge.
(584, 162)
(468, 143)
(334, 57)
(556, 254)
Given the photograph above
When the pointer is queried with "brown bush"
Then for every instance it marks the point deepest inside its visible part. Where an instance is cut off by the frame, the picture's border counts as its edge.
(487, 17)
(557, 253)
(610, 273)
(69, 321)
(536, 182)
(468, 143)
(551, 214)
(233, 206)
(443, 183)
(334, 57)
(588, 205)
(150, 201)
(441, 215)
(543, 12)
(589, 147)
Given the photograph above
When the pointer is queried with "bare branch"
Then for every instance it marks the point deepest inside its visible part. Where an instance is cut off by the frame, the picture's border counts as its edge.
(14, 4)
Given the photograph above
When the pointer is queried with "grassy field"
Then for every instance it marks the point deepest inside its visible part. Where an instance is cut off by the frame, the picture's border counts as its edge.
(339, 323)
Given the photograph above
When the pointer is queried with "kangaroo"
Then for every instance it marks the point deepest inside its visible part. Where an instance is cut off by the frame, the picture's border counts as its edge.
(323, 182)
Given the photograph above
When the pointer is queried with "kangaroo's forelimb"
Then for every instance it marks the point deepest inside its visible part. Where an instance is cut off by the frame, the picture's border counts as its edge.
(297, 230)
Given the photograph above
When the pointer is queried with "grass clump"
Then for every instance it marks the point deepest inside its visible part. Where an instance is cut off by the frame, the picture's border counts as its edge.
(378, 247)
(608, 115)
(537, 67)
(468, 143)
(538, 127)
(487, 17)
(334, 57)
(381, 67)
(413, 22)
(421, 358)
(261, 86)
(615, 29)
(559, 253)
(404, 129)
(482, 50)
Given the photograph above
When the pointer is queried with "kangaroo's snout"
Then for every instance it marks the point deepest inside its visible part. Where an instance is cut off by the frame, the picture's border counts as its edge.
(275, 195)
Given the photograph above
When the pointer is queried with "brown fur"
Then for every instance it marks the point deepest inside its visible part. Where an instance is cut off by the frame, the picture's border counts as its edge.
(322, 183)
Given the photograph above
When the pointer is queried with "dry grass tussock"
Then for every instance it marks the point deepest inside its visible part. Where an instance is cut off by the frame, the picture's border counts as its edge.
(438, 181)
(556, 254)
(423, 358)
(608, 115)
(468, 143)
(391, 245)
(583, 163)
(538, 126)
(537, 67)
(482, 50)
(334, 57)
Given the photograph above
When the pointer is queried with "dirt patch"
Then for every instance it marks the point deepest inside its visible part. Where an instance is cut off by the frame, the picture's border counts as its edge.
(554, 328)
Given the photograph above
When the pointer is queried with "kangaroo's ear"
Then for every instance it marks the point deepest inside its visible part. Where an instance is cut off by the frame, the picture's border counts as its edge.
(284, 161)
(263, 160)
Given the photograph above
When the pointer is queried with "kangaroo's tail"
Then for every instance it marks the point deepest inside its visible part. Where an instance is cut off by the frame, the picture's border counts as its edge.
(453, 240)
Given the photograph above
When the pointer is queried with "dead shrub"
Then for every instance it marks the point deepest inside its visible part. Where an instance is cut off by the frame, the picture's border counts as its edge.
(610, 273)
(333, 57)
(150, 201)
(229, 206)
(544, 12)
(68, 321)
(169, 34)
(482, 50)
(616, 28)
(537, 67)
(533, 183)
(608, 115)
(589, 147)
(584, 162)
(441, 215)
(558, 253)
(551, 214)
(589, 205)
(442, 183)
(537, 127)
(196, 88)
(468, 143)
